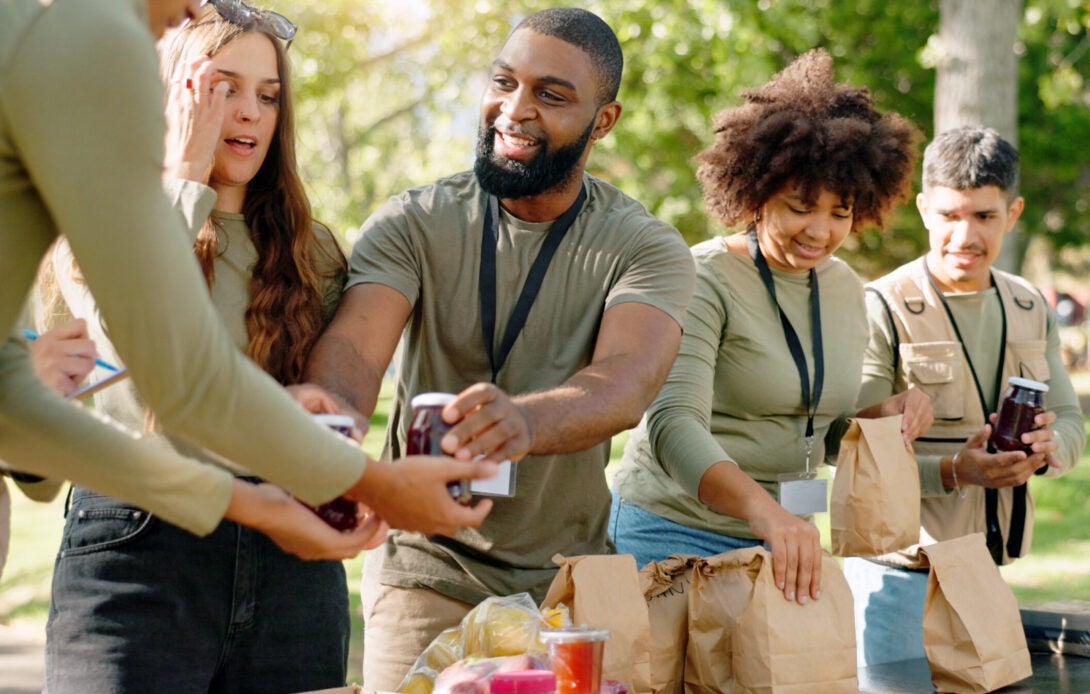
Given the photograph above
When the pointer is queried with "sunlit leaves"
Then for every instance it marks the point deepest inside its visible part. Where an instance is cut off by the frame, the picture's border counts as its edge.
(387, 95)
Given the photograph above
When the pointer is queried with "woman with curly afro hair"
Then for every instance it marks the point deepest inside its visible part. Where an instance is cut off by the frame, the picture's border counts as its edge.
(774, 337)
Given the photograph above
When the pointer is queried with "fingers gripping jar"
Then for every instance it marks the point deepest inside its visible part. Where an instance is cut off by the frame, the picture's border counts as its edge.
(1022, 402)
(427, 431)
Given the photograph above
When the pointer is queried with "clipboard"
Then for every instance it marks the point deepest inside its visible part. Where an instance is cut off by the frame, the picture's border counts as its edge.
(95, 386)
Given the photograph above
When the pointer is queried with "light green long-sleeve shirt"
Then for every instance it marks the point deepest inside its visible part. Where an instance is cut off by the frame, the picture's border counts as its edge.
(233, 266)
(81, 153)
(734, 393)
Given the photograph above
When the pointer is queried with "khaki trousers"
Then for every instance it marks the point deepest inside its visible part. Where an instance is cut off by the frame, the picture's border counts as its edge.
(398, 624)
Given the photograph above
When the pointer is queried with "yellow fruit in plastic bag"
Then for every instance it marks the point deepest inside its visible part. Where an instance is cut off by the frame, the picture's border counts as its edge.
(510, 631)
(495, 629)
(556, 617)
(445, 650)
(418, 683)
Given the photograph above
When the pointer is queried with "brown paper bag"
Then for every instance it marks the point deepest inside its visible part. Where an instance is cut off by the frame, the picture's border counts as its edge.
(603, 591)
(875, 503)
(745, 637)
(666, 586)
(972, 630)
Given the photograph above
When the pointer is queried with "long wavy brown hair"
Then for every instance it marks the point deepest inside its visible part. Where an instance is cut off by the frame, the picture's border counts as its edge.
(285, 314)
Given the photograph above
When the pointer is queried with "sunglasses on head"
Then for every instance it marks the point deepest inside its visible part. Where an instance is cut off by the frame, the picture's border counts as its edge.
(238, 12)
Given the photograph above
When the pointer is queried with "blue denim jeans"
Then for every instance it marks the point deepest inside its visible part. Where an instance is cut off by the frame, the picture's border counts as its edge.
(888, 611)
(650, 537)
(139, 605)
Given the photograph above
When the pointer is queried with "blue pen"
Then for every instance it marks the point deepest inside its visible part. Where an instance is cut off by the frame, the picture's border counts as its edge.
(31, 335)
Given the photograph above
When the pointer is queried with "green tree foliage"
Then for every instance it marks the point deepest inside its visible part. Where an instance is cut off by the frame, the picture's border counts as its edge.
(387, 96)
(1054, 120)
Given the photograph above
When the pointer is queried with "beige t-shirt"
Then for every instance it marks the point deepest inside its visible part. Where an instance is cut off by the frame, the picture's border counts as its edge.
(426, 244)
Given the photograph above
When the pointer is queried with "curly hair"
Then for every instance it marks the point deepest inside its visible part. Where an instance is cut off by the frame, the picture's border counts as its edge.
(285, 315)
(804, 129)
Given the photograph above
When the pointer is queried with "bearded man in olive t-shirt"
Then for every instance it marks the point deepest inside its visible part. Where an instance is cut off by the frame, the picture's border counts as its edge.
(594, 349)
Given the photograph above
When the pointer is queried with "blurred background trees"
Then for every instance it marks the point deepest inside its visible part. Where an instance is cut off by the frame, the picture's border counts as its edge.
(388, 89)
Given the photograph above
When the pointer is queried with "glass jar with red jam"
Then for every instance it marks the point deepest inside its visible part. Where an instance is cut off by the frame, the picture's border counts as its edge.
(341, 513)
(427, 431)
(1022, 402)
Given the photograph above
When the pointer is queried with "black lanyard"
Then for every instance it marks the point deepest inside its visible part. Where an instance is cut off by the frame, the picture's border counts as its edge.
(530, 288)
(792, 338)
(993, 536)
(965, 350)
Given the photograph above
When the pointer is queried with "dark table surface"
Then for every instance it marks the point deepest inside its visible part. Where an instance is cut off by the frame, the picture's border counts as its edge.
(1052, 674)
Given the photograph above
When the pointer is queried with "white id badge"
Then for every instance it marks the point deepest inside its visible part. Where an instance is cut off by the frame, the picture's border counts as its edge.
(803, 493)
(503, 484)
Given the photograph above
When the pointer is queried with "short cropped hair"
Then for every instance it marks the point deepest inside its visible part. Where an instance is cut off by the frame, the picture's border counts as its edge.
(804, 129)
(971, 157)
(592, 35)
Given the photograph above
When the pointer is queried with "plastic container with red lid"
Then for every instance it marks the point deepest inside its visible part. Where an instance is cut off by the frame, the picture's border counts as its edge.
(523, 682)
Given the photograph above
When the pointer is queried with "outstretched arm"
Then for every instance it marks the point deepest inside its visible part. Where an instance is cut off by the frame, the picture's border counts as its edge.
(636, 346)
(351, 357)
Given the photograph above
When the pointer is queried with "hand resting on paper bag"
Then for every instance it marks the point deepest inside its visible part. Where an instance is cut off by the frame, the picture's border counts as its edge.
(795, 544)
(913, 404)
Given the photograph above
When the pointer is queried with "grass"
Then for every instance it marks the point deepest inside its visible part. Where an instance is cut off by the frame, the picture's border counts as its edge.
(1057, 568)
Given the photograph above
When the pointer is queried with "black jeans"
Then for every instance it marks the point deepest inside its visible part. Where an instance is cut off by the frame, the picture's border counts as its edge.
(139, 605)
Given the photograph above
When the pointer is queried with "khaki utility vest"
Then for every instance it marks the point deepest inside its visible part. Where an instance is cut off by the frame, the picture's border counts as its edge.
(930, 357)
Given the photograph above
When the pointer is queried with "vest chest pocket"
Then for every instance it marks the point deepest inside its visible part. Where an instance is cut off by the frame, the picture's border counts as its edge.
(1031, 359)
(936, 368)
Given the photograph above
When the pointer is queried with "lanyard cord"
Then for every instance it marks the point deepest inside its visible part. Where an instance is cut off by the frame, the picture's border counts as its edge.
(792, 337)
(993, 536)
(965, 350)
(530, 288)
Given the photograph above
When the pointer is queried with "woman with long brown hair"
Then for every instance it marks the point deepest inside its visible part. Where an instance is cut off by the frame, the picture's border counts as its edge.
(139, 604)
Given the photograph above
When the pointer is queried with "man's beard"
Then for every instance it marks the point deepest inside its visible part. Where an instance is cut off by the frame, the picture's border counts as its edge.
(508, 178)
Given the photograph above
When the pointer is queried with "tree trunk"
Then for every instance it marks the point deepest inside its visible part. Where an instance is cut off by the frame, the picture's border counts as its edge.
(976, 82)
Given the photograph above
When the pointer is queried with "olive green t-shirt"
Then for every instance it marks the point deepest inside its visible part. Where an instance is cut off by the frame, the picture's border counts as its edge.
(734, 392)
(426, 243)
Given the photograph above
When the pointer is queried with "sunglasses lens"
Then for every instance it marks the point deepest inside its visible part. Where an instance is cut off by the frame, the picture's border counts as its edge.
(281, 26)
(231, 10)
(239, 12)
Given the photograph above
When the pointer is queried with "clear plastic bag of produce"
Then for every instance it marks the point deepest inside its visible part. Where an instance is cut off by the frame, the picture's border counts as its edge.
(498, 627)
